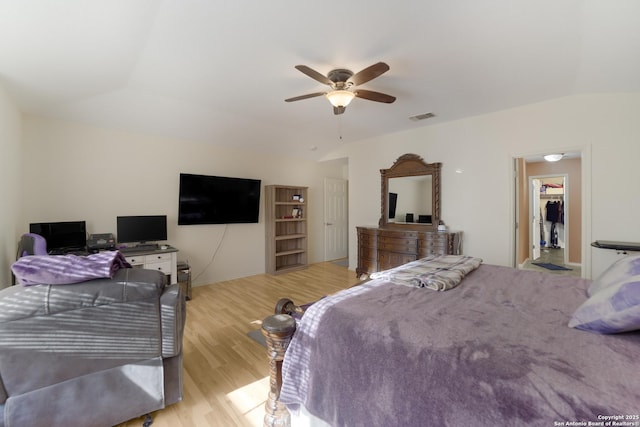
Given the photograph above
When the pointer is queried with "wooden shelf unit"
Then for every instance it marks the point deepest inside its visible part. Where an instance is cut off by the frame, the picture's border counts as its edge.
(286, 231)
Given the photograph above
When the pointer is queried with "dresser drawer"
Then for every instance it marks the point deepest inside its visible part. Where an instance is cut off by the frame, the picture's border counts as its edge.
(367, 243)
(438, 246)
(429, 243)
(433, 250)
(387, 260)
(367, 253)
(398, 245)
(434, 238)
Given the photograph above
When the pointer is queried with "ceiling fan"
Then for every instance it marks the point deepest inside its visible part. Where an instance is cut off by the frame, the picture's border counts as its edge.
(341, 81)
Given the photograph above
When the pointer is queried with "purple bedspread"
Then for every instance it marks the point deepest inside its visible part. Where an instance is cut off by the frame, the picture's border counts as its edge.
(67, 269)
(495, 351)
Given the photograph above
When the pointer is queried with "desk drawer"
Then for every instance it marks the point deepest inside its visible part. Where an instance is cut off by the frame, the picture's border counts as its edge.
(135, 259)
(157, 257)
(164, 267)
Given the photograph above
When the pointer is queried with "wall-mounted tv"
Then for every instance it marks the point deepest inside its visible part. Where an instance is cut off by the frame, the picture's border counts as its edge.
(141, 228)
(62, 237)
(208, 199)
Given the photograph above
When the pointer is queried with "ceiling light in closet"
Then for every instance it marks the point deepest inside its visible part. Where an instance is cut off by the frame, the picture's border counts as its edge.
(553, 157)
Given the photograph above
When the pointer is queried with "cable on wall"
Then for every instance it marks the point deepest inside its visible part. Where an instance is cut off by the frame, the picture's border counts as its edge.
(215, 252)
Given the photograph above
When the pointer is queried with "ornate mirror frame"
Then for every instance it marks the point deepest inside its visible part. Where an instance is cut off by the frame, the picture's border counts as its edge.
(409, 165)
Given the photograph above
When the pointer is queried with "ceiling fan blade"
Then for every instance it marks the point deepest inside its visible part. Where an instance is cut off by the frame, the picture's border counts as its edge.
(309, 95)
(374, 96)
(369, 73)
(339, 110)
(314, 74)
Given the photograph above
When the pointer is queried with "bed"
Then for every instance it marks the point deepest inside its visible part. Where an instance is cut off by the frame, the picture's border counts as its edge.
(494, 349)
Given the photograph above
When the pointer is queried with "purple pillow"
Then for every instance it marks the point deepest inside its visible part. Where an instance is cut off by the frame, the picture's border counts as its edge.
(614, 304)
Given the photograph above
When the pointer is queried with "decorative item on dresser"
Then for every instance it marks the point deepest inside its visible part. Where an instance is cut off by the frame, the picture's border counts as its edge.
(383, 248)
(410, 189)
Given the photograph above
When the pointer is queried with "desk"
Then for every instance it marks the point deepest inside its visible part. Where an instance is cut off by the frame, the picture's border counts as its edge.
(164, 260)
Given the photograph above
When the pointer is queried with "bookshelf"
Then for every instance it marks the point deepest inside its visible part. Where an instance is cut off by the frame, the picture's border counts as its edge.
(286, 228)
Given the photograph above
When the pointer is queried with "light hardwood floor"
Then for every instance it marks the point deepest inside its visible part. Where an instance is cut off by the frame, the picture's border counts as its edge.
(225, 371)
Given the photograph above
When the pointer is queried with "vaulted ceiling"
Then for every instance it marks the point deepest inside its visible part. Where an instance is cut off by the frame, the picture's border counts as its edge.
(219, 71)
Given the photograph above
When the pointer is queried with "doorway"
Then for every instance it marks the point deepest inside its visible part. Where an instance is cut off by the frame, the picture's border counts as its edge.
(548, 222)
(549, 216)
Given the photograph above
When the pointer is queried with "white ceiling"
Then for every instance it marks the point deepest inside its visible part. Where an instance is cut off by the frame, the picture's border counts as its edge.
(219, 71)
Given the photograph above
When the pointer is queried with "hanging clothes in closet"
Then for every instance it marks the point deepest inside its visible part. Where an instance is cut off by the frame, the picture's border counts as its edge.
(555, 215)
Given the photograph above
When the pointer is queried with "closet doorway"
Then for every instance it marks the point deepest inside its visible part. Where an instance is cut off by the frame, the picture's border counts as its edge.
(548, 225)
(543, 240)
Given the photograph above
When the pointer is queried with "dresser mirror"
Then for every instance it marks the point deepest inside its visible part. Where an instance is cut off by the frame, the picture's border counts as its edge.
(410, 197)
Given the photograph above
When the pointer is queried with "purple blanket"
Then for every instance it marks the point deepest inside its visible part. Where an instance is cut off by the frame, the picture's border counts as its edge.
(67, 269)
(494, 351)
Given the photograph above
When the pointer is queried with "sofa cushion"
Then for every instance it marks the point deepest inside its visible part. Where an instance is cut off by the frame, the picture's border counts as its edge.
(102, 398)
(127, 285)
(173, 313)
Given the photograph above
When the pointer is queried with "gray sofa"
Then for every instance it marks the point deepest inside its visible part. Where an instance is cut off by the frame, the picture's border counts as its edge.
(95, 353)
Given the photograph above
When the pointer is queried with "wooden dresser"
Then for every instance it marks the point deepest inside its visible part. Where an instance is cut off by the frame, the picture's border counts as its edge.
(383, 248)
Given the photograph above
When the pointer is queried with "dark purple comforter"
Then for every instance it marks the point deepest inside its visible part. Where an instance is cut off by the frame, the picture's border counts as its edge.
(495, 351)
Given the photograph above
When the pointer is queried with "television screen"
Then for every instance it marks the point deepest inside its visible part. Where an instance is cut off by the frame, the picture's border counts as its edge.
(62, 236)
(393, 201)
(218, 200)
(141, 228)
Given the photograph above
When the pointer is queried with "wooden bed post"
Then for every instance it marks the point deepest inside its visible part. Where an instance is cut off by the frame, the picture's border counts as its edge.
(278, 331)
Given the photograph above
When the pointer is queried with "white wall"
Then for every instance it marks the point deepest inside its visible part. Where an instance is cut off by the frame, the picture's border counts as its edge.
(480, 201)
(10, 185)
(73, 171)
(79, 172)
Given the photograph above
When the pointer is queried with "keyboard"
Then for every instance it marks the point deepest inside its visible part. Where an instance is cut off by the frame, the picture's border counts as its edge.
(139, 248)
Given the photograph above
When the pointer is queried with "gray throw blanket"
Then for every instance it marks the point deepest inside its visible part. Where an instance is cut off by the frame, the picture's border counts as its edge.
(437, 272)
(67, 269)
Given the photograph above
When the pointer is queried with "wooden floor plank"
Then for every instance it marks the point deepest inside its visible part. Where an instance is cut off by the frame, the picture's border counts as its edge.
(225, 371)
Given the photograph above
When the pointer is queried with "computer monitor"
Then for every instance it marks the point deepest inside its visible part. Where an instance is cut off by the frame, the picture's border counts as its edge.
(142, 228)
(62, 237)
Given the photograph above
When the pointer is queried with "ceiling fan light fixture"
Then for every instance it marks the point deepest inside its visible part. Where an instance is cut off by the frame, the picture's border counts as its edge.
(553, 157)
(340, 98)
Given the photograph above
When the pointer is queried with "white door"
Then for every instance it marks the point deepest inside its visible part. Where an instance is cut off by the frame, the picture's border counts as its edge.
(336, 236)
(536, 217)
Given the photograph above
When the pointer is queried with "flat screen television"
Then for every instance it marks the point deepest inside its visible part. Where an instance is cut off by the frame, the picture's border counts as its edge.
(207, 199)
(62, 237)
(393, 201)
(141, 228)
